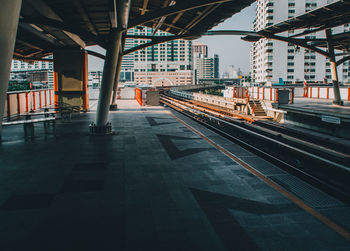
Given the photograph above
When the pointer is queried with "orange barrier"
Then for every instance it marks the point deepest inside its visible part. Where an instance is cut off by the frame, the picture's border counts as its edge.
(138, 96)
(327, 92)
(253, 109)
(263, 93)
(23, 102)
(45, 98)
(50, 97)
(27, 102)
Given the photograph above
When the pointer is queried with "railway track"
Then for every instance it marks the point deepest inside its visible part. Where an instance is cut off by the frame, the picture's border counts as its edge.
(319, 163)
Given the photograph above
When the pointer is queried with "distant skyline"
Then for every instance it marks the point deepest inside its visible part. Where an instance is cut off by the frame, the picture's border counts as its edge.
(231, 49)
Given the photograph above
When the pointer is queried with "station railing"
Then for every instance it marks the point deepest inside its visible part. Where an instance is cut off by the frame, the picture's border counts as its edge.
(22, 102)
(318, 92)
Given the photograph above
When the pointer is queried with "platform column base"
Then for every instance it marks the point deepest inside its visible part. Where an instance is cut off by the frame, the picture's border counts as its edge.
(113, 107)
(101, 130)
(341, 103)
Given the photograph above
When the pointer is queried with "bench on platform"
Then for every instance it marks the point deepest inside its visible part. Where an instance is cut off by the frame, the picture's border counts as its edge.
(46, 114)
(65, 110)
(28, 123)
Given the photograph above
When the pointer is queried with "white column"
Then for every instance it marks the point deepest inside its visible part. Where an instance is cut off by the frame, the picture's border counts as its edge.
(111, 61)
(9, 15)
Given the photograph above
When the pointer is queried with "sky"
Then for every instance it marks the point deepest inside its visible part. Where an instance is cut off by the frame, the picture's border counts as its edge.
(231, 49)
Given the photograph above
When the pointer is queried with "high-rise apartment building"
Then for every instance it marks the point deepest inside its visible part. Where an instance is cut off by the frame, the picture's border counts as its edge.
(204, 67)
(271, 59)
(199, 49)
(157, 63)
(18, 67)
(127, 69)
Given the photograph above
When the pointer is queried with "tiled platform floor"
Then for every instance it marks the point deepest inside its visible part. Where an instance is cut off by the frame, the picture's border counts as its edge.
(154, 186)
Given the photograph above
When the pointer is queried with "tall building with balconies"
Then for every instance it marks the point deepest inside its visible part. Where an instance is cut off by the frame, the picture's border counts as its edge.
(172, 56)
(46, 67)
(272, 60)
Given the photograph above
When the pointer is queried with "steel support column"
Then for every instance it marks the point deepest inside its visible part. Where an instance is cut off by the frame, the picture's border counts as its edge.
(337, 99)
(116, 82)
(9, 15)
(109, 69)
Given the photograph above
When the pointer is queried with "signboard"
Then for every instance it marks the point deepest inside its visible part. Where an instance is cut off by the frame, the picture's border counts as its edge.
(330, 119)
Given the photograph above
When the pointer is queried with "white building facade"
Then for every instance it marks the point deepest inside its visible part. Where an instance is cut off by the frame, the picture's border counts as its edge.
(159, 60)
(206, 68)
(20, 66)
(272, 60)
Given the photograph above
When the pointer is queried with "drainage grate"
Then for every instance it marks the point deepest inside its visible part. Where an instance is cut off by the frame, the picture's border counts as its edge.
(263, 166)
(312, 196)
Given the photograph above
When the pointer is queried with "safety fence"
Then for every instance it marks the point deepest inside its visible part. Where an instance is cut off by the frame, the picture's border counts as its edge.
(322, 92)
(271, 93)
(22, 102)
(262, 93)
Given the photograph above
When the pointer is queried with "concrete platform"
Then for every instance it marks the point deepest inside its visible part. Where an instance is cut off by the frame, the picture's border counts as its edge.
(156, 185)
(319, 106)
(319, 115)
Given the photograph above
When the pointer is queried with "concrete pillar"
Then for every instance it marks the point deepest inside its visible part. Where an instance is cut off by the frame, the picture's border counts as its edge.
(116, 82)
(109, 72)
(9, 15)
(110, 65)
(71, 80)
(337, 98)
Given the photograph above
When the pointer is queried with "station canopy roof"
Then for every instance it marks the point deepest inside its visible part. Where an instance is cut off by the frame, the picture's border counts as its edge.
(52, 24)
(340, 41)
(328, 16)
(322, 18)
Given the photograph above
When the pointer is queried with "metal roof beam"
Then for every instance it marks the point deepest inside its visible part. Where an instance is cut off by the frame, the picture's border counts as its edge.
(162, 19)
(155, 40)
(66, 27)
(200, 17)
(44, 10)
(299, 42)
(40, 35)
(176, 18)
(171, 10)
(96, 54)
(31, 59)
(144, 7)
(82, 11)
(343, 60)
(229, 32)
